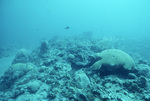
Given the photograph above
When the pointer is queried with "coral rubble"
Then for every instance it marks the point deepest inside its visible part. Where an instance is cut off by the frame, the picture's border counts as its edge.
(60, 71)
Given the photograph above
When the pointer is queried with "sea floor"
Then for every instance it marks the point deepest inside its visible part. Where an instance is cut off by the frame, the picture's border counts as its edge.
(62, 70)
(5, 63)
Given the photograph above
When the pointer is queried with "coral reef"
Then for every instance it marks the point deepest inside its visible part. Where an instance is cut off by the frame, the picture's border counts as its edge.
(60, 71)
(21, 56)
(114, 58)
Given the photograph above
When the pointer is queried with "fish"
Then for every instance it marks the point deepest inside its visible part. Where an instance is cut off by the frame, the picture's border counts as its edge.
(67, 27)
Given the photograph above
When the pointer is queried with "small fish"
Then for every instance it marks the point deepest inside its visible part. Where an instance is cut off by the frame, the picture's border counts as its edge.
(67, 27)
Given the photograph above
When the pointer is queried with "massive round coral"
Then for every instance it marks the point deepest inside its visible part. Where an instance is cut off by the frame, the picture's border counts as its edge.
(114, 58)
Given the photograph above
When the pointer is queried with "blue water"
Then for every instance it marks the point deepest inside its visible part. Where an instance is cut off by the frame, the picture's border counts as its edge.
(26, 22)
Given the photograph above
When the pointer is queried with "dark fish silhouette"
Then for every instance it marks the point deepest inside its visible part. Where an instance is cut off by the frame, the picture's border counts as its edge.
(67, 27)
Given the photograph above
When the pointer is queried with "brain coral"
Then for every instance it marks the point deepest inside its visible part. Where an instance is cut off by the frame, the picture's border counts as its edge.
(114, 58)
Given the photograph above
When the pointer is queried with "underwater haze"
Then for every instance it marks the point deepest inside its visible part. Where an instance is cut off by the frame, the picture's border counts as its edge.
(74, 50)
(26, 22)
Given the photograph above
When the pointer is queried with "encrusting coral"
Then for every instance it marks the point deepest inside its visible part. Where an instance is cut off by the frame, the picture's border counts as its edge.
(114, 58)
